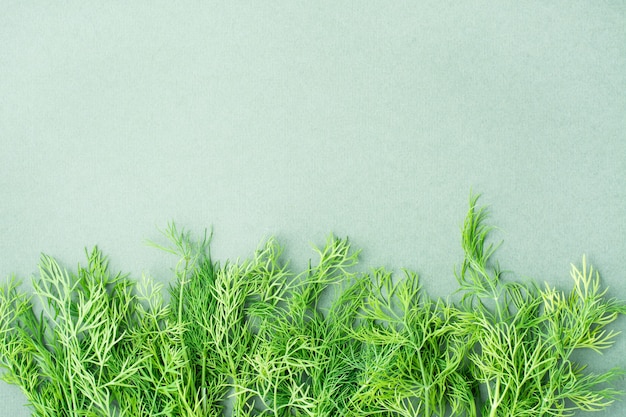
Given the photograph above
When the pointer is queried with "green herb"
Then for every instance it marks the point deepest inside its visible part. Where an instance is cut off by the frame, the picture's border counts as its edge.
(523, 345)
(65, 358)
(252, 338)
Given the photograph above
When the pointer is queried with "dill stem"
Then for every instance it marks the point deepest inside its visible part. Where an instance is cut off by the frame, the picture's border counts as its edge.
(276, 398)
(71, 382)
(426, 386)
(203, 384)
(183, 281)
(498, 308)
(496, 401)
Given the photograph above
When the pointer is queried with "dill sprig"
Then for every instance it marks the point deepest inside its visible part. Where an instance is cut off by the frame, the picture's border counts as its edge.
(62, 358)
(413, 360)
(301, 363)
(523, 338)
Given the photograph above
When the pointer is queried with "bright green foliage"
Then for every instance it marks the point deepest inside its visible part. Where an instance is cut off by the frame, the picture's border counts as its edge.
(412, 364)
(299, 366)
(251, 338)
(65, 358)
(523, 338)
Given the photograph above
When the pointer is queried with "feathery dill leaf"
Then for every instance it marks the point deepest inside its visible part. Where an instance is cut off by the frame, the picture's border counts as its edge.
(522, 353)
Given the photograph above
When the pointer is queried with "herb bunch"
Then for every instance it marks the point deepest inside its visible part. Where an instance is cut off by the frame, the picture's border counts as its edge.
(252, 338)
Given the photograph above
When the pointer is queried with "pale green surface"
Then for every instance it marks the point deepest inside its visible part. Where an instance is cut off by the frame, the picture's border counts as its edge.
(297, 119)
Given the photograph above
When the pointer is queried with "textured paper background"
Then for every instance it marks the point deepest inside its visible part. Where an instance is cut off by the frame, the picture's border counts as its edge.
(295, 119)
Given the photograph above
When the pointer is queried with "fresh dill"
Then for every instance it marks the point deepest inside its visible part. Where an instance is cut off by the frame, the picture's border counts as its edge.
(253, 338)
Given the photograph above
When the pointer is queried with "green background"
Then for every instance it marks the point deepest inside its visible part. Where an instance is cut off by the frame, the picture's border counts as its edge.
(296, 119)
